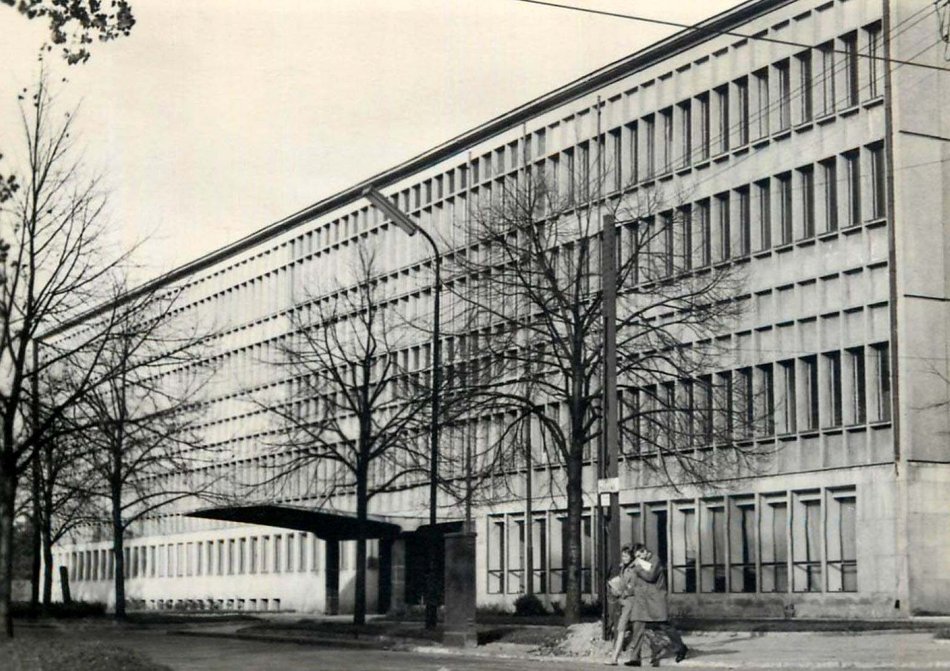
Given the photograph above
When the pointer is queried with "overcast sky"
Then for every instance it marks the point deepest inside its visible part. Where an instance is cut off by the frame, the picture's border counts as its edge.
(215, 118)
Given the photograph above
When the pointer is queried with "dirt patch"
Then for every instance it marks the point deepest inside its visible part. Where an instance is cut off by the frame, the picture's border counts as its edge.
(49, 654)
(580, 640)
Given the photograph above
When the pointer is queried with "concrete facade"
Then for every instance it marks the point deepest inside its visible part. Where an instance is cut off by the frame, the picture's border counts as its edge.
(814, 156)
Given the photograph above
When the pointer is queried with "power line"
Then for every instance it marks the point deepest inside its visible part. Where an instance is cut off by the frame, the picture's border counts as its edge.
(714, 32)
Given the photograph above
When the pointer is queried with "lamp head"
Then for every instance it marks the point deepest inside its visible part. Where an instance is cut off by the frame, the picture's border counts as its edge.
(397, 216)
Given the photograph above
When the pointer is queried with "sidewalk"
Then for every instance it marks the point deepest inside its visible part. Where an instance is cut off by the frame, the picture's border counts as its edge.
(882, 649)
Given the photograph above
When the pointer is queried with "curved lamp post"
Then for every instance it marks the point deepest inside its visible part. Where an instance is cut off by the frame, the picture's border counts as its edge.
(410, 227)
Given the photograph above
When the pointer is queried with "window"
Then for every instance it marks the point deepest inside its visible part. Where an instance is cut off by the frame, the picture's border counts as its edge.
(809, 365)
(878, 183)
(873, 33)
(852, 165)
(829, 189)
(806, 542)
(806, 108)
(745, 403)
(763, 192)
(826, 54)
(665, 240)
(539, 549)
(649, 131)
(686, 236)
(615, 169)
(634, 159)
(742, 544)
(761, 78)
(704, 126)
(559, 538)
(787, 421)
(666, 159)
(656, 531)
(742, 109)
(841, 541)
(703, 400)
(722, 108)
(684, 549)
(832, 391)
(704, 231)
(712, 546)
(745, 221)
(882, 382)
(516, 545)
(765, 400)
(723, 230)
(785, 207)
(782, 72)
(857, 394)
(807, 180)
(773, 530)
(496, 556)
(849, 45)
(686, 132)
(723, 416)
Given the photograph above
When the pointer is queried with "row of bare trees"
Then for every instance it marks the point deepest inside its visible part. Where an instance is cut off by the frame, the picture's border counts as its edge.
(98, 405)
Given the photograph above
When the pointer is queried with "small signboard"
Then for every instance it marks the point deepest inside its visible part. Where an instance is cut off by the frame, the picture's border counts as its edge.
(608, 485)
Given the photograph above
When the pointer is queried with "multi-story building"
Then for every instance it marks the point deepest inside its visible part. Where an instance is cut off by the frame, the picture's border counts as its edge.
(811, 137)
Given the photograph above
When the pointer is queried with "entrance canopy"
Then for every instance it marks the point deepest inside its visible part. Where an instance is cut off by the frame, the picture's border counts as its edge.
(328, 525)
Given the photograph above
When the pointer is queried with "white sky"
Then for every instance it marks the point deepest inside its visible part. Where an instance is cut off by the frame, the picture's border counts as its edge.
(215, 118)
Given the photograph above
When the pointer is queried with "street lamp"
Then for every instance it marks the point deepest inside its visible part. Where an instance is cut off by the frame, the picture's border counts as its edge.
(410, 227)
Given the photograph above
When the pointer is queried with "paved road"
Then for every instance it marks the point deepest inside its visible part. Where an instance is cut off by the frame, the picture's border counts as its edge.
(206, 653)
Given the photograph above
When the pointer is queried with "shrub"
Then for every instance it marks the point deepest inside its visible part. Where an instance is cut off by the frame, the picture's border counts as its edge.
(529, 605)
(75, 609)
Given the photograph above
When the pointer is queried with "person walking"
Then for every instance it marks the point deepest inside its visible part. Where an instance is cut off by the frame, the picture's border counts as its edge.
(651, 608)
(621, 585)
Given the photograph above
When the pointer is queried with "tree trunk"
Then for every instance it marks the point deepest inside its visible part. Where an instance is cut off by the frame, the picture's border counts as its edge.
(7, 494)
(36, 540)
(359, 605)
(575, 505)
(118, 549)
(47, 534)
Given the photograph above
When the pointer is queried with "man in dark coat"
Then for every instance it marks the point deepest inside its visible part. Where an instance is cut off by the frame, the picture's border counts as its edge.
(651, 607)
(621, 587)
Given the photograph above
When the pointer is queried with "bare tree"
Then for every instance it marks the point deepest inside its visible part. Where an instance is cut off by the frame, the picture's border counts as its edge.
(534, 272)
(53, 265)
(357, 416)
(138, 429)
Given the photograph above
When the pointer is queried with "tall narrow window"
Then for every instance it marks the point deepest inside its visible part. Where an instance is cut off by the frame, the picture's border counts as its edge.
(765, 400)
(686, 236)
(762, 108)
(841, 542)
(878, 183)
(773, 529)
(704, 126)
(684, 549)
(686, 132)
(805, 86)
(633, 158)
(782, 72)
(745, 403)
(742, 110)
(829, 188)
(742, 545)
(785, 207)
(745, 221)
(807, 551)
(723, 226)
(649, 131)
(704, 231)
(832, 361)
(539, 547)
(516, 546)
(882, 382)
(874, 59)
(826, 53)
(666, 159)
(849, 45)
(722, 109)
(809, 366)
(852, 166)
(763, 191)
(712, 547)
(788, 406)
(857, 393)
(496, 557)
(615, 169)
(807, 180)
